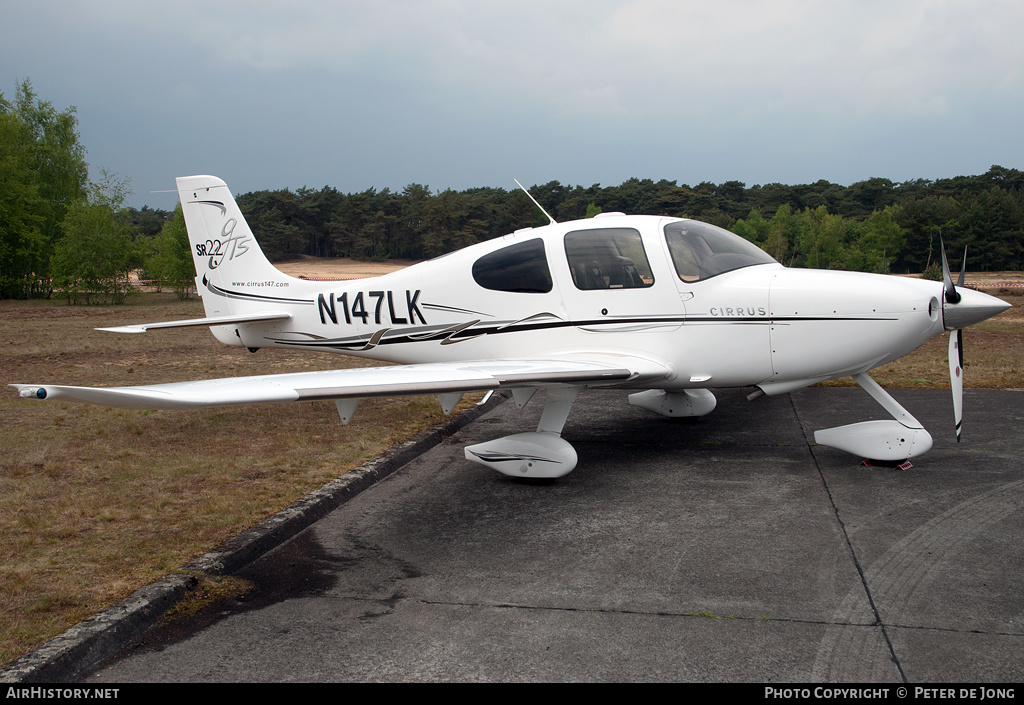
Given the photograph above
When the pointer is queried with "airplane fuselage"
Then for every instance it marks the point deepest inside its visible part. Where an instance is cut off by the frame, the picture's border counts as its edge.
(760, 324)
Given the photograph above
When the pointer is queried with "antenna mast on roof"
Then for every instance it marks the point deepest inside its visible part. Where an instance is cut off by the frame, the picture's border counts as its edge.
(553, 222)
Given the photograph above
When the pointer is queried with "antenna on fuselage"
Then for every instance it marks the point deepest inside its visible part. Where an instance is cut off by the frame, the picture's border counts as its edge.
(553, 221)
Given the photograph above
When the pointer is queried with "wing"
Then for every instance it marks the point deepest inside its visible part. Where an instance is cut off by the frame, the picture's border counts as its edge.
(600, 369)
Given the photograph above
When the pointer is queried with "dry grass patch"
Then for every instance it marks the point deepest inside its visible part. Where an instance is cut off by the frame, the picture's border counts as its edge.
(208, 590)
(97, 502)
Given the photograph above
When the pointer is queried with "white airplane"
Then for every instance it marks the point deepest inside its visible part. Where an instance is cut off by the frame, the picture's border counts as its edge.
(666, 306)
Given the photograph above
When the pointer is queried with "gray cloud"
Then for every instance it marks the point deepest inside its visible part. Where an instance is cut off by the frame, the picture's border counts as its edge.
(458, 94)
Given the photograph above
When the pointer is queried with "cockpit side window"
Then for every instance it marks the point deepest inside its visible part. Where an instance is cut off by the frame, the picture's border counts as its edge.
(518, 268)
(701, 251)
(609, 258)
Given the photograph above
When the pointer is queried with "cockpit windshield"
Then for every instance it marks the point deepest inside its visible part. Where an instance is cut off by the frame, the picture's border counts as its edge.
(701, 251)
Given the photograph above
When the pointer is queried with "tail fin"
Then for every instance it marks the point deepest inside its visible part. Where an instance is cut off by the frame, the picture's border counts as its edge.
(224, 250)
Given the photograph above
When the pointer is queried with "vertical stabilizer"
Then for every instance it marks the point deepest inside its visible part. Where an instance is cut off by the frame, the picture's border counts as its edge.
(224, 250)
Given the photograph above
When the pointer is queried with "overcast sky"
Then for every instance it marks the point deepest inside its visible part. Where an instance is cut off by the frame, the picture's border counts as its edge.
(457, 94)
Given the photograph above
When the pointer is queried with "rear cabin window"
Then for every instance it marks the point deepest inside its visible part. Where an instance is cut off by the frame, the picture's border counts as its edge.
(611, 258)
(519, 268)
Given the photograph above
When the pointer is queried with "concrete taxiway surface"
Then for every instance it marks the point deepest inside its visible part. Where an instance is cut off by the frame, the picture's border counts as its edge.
(730, 549)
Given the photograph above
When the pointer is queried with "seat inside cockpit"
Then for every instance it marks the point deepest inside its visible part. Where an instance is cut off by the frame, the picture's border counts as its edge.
(609, 258)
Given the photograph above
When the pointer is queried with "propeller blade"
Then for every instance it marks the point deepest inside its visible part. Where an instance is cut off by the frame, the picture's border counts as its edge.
(956, 376)
(963, 269)
(952, 295)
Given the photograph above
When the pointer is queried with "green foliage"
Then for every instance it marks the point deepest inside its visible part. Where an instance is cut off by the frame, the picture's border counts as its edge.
(785, 230)
(93, 260)
(148, 222)
(754, 228)
(822, 239)
(447, 225)
(933, 272)
(171, 259)
(881, 241)
(22, 211)
(875, 225)
(42, 172)
(57, 155)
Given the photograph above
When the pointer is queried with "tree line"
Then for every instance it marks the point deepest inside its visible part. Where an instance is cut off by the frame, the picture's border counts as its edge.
(873, 225)
(64, 235)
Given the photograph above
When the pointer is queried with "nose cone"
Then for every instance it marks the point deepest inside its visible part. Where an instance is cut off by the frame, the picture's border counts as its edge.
(973, 307)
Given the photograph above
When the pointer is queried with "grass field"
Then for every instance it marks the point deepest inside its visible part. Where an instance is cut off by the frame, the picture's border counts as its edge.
(97, 502)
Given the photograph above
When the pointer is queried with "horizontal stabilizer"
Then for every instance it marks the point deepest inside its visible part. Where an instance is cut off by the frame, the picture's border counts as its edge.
(212, 321)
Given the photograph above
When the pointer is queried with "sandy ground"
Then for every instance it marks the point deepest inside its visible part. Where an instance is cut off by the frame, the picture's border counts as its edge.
(987, 280)
(338, 268)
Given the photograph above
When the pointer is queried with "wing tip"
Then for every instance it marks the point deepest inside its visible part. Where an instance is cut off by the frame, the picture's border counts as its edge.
(123, 329)
(28, 391)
